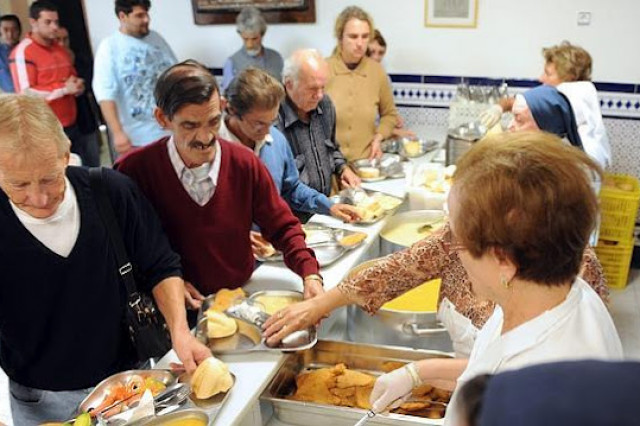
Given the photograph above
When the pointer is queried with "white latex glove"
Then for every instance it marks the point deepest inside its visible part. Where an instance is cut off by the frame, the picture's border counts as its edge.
(390, 388)
(491, 116)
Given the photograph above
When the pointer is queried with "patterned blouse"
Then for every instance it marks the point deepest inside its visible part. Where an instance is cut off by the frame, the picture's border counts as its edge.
(427, 260)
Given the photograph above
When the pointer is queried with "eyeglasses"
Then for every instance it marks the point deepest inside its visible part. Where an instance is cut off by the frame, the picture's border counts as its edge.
(450, 243)
(258, 124)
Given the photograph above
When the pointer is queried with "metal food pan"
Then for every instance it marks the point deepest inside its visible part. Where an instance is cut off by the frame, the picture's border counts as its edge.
(326, 244)
(248, 337)
(363, 357)
(101, 391)
(353, 196)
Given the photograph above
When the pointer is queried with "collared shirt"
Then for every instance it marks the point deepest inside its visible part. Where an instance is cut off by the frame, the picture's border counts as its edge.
(360, 96)
(314, 145)
(275, 153)
(59, 231)
(6, 81)
(200, 182)
(578, 328)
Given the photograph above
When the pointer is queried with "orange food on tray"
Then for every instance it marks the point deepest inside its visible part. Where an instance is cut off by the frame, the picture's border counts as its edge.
(128, 392)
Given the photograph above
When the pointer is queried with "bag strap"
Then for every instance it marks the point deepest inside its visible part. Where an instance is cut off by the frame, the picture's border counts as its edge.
(125, 269)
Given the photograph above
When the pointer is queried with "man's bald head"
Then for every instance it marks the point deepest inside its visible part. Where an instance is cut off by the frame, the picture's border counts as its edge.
(305, 75)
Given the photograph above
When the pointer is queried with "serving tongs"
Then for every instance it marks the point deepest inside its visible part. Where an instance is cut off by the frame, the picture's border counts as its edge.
(371, 414)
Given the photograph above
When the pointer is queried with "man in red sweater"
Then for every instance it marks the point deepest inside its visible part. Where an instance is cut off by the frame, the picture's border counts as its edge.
(41, 67)
(208, 192)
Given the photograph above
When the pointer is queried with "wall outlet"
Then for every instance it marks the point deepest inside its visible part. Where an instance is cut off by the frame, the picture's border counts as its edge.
(584, 18)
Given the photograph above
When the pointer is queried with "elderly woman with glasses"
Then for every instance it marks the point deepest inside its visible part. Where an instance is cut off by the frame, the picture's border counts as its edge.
(517, 256)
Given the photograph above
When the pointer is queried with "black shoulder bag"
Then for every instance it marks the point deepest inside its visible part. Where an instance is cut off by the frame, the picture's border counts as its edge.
(146, 325)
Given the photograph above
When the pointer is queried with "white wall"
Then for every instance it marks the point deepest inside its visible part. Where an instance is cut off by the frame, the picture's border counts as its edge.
(506, 43)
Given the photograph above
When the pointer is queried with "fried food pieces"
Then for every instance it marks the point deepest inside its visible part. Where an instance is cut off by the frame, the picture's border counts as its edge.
(340, 386)
(424, 402)
(335, 386)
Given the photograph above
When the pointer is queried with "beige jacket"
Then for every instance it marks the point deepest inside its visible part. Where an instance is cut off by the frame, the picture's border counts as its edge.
(360, 96)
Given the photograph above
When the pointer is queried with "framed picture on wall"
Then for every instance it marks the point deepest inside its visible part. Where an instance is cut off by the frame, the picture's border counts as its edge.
(451, 13)
(207, 12)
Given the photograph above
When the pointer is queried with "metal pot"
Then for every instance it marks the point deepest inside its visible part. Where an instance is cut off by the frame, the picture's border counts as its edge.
(461, 139)
(419, 218)
(420, 330)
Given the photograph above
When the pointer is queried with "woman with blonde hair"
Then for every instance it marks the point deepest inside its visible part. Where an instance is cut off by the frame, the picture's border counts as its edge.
(359, 88)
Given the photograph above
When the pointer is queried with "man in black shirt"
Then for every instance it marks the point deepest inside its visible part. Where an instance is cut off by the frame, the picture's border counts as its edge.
(308, 120)
(62, 303)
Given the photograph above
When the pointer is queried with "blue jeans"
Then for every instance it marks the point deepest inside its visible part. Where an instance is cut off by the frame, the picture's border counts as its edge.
(30, 406)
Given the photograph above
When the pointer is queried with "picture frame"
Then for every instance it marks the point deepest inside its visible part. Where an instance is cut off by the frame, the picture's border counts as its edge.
(212, 12)
(451, 13)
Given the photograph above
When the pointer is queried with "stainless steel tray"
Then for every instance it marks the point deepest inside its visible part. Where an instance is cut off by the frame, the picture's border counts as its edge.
(388, 166)
(210, 406)
(326, 242)
(367, 358)
(249, 338)
(353, 197)
(101, 391)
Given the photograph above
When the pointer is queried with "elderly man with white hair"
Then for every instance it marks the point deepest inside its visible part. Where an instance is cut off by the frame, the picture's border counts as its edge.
(307, 118)
(62, 301)
(251, 26)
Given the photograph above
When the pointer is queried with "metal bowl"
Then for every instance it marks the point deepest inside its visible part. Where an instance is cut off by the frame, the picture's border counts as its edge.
(414, 148)
(101, 391)
(388, 166)
(194, 416)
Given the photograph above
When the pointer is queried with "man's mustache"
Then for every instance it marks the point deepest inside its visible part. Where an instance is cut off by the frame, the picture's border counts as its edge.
(202, 145)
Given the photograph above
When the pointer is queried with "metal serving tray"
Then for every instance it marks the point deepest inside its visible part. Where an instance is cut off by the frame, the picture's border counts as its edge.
(353, 196)
(210, 406)
(249, 338)
(388, 166)
(326, 242)
(367, 358)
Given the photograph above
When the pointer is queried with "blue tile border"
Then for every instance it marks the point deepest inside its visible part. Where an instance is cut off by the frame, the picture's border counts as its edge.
(405, 78)
(616, 87)
(441, 79)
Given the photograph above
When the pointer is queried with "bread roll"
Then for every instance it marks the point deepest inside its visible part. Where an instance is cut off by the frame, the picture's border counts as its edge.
(210, 378)
(220, 325)
(368, 172)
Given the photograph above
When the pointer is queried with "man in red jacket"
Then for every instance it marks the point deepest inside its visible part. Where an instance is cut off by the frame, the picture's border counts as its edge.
(208, 192)
(41, 67)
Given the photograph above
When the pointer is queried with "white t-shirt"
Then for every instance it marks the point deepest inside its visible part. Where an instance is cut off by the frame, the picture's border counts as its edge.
(125, 71)
(59, 231)
(578, 328)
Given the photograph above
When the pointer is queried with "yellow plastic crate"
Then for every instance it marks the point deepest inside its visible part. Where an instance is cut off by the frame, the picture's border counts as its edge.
(619, 199)
(615, 257)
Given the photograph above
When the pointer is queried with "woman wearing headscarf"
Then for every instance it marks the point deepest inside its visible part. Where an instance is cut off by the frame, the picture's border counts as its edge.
(545, 108)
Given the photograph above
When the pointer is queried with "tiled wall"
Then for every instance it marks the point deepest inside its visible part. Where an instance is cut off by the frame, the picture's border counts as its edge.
(424, 101)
